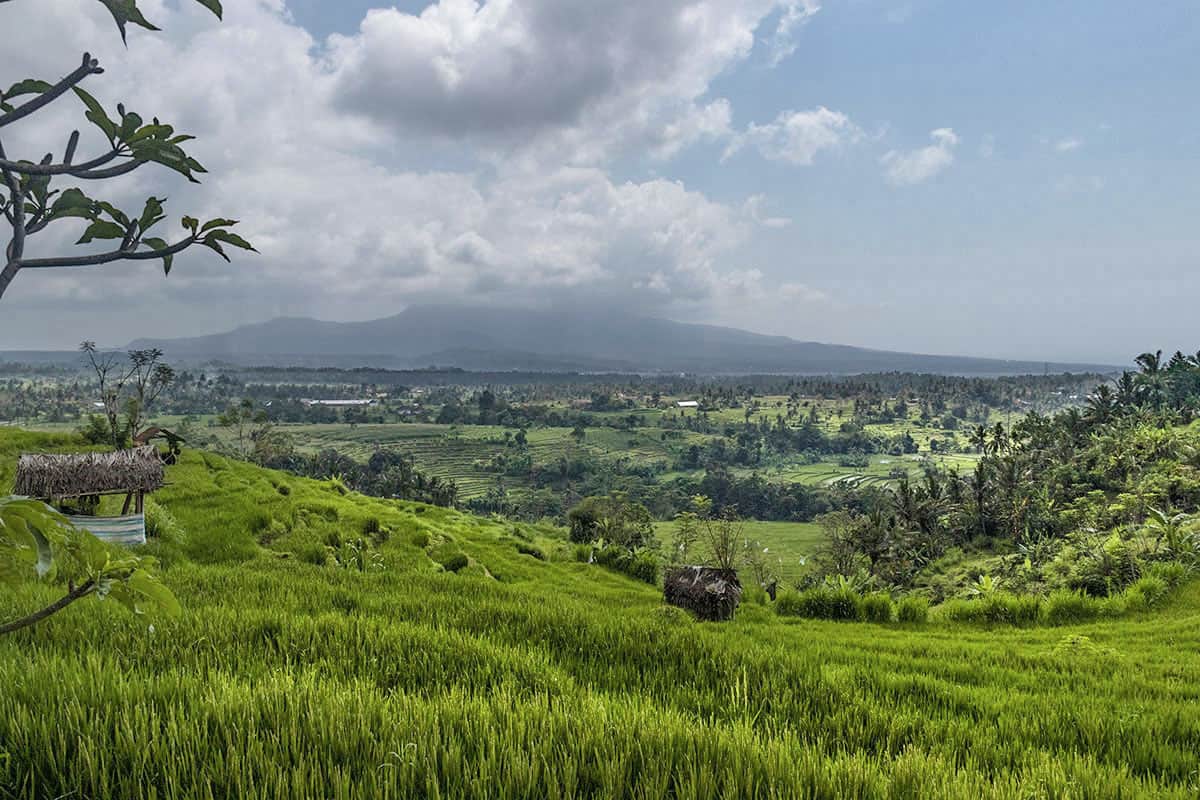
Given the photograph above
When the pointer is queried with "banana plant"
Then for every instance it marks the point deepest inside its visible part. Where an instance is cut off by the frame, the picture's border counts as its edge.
(38, 543)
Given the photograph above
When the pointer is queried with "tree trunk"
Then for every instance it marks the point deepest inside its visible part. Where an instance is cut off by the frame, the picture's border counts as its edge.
(81, 591)
(7, 275)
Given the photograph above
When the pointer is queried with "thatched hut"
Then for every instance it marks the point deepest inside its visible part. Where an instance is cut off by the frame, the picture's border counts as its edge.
(710, 594)
(58, 478)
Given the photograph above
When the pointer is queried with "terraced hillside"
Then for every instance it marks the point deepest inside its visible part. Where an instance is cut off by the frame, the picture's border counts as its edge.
(527, 675)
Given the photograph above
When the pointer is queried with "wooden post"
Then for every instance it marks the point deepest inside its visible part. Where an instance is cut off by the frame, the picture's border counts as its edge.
(139, 503)
(128, 500)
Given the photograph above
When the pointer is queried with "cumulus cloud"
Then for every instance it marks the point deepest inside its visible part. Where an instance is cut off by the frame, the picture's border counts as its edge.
(323, 153)
(571, 80)
(793, 16)
(917, 166)
(797, 137)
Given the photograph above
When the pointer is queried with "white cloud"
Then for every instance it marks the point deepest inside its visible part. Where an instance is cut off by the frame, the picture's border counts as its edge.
(1067, 145)
(917, 166)
(558, 80)
(753, 208)
(797, 137)
(346, 226)
(795, 14)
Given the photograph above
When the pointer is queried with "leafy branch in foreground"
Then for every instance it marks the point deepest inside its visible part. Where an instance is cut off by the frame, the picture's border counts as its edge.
(38, 542)
(29, 205)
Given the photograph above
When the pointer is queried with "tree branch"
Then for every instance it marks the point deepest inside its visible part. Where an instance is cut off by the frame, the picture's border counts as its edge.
(66, 168)
(90, 66)
(16, 247)
(124, 254)
(83, 590)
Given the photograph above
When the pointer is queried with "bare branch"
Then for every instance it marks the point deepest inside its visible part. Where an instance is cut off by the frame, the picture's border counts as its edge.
(90, 66)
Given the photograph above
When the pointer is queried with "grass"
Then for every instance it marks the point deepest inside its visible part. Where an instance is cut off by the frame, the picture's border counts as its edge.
(788, 542)
(519, 677)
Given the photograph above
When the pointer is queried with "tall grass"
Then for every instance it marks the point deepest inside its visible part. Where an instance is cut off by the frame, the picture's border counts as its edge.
(525, 678)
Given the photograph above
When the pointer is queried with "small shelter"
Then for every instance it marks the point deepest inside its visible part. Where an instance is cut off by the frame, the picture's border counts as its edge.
(55, 478)
(709, 593)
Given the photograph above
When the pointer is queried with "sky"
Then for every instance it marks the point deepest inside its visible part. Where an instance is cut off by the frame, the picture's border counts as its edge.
(999, 179)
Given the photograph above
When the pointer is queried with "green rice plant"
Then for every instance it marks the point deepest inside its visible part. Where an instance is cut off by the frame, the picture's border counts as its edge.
(1067, 607)
(315, 554)
(997, 608)
(822, 602)
(877, 607)
(913, 610)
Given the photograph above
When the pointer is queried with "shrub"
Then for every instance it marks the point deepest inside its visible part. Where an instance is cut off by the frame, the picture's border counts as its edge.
(913, 609)
(260, 520)
(582, 552)
(821, 602)
(313, 554)
(788, 604)
(160, 524)
(370, 526)
(420, 539)
(272, 532)
(530, 550)
(998, 608)
(283, 489)
(1066, 607)
(455, 562)
(1171, 573)
(641, 565)
(877, 607)
(1147, 592)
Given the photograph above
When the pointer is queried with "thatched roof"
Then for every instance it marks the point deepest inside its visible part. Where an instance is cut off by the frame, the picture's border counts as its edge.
(711, 594)
(47, 476)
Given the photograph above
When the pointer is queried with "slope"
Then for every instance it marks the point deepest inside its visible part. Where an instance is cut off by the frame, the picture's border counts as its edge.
(520, 677)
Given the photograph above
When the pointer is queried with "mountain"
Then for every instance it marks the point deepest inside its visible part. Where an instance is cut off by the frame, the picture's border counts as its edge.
(555, 341)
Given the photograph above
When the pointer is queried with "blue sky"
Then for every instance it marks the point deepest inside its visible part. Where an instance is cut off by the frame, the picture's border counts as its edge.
(1010, 179)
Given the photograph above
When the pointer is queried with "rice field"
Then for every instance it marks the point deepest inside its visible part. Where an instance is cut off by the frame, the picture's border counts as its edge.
(529, 677)
(789, 544)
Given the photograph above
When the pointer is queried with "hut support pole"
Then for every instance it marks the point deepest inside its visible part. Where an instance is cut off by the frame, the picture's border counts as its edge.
(139, 509)
(128, 500)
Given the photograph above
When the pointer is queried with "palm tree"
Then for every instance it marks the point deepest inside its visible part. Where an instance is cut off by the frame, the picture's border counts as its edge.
(1101, 405)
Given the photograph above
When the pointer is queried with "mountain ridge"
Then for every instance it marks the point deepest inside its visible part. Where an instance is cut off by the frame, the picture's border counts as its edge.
(586, 340)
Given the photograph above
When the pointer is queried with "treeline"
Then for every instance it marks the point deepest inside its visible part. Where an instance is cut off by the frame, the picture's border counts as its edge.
(387, 473)
(1083, 500)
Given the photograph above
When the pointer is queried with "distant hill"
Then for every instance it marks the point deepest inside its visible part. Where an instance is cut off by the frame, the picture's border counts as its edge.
(599, 341)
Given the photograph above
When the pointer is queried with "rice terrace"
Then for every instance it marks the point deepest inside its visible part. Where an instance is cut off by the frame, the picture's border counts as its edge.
(482, 437)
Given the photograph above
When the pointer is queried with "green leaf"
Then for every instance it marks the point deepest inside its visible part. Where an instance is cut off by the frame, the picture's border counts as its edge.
(191, 223)
(152, 213)
(158, 596)
(126, 11)
(73, 203)
(228, 237)
(27, 86)
(95, 114)
(212, 5)
(217, 223)
(130, 124)
(102, 229)
(215, 246)
(154, 243)
(117, 214)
